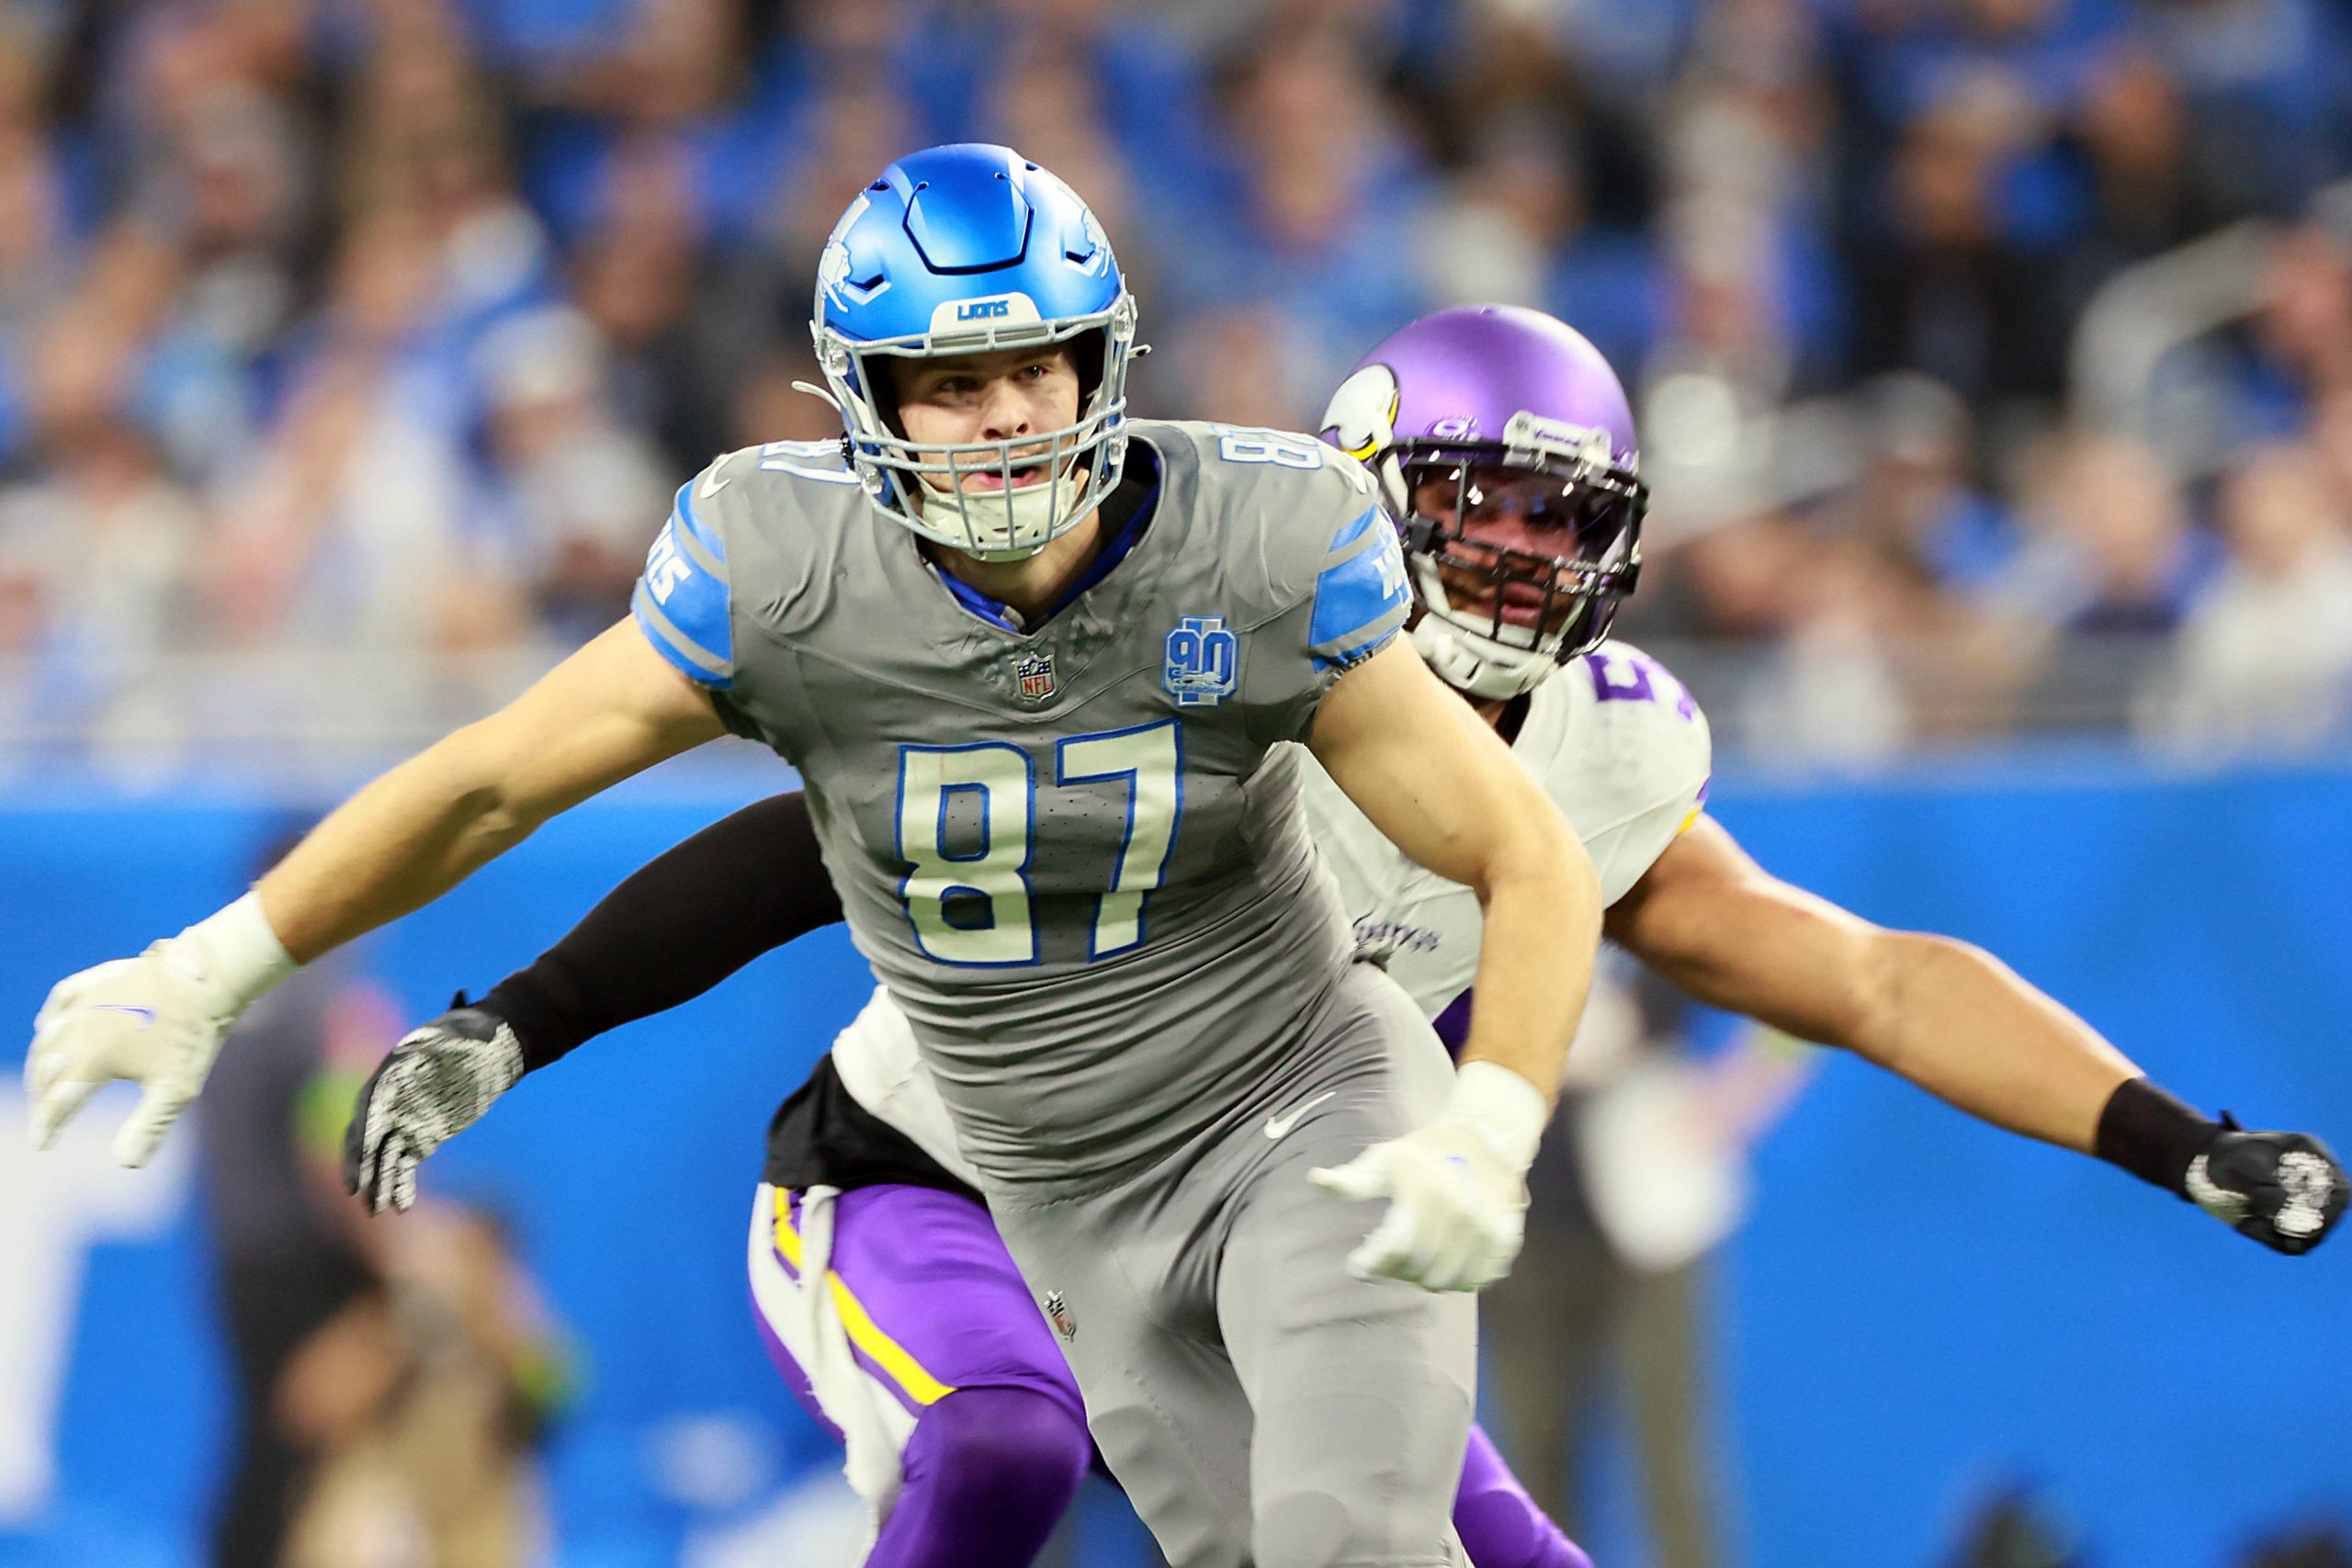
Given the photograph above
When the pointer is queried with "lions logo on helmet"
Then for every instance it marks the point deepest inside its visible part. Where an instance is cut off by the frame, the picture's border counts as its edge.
(1096, 261)
(1361, 418)
(832, 266)
(833, 273)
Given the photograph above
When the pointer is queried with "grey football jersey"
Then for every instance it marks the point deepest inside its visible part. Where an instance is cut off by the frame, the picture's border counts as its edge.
(1076, 856)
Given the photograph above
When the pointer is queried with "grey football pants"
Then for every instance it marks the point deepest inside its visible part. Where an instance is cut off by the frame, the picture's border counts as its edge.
(1262, 1408)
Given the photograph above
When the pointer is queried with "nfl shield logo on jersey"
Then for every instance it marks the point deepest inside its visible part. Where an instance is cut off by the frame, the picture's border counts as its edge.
(1200, 659)
(1035, 671)
(1057, 1311)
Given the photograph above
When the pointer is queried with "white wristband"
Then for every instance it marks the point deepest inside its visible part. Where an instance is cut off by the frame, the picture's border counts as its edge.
(1508, 1109)
(236, 951)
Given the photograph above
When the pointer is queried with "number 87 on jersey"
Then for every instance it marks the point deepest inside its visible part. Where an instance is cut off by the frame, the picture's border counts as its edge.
(967, 826)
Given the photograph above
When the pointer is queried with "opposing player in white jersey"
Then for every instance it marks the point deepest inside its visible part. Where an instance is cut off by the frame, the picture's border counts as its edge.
(1048, 744)
(1508, 450)
(1505, 442)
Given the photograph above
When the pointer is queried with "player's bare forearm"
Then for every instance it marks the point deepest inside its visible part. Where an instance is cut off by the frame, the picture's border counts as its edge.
(1541, 913)
(610, 710)
(402, 842)
(1443, 786)
(1431, 775)
(1946, 1015)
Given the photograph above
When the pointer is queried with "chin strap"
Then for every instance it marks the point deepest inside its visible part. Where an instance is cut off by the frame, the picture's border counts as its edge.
(1473, 665)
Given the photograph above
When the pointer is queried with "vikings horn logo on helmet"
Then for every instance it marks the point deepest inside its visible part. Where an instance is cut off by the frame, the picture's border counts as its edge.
(1361, 418)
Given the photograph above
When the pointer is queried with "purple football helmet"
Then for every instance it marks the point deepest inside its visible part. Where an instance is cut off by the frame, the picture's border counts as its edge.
(1503, 444)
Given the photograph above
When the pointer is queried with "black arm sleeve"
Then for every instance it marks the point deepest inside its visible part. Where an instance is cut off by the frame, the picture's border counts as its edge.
(677, 927)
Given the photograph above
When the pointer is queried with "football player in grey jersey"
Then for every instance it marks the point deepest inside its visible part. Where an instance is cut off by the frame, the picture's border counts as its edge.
(962, 1426)
(1044, 762)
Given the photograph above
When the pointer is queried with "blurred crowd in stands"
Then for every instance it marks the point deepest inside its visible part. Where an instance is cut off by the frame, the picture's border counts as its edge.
(1993, 357)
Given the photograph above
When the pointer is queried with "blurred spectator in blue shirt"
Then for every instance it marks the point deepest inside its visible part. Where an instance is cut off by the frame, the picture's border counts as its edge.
(352, 526)
(1515, 226)
(2146, 184)
(1916, 498)
(2113, 550)
(1943, 288)
(426, 142)
(1319, 179)
(635, 278)
(2255, 76)
(2091, 601)
(237, 208)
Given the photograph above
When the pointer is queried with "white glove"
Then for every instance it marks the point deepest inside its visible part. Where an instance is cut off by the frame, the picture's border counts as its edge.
(157, 1020)
(1457, 1187)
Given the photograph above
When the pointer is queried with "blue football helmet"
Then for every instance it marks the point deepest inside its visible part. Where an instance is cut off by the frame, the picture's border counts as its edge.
(970, 249)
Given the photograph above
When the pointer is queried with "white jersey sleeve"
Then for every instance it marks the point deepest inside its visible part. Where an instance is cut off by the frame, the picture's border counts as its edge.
(1624, 750)
(1620, 746)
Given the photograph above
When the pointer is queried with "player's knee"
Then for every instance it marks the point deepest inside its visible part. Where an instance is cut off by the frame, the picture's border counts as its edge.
(1304, 1530)
(1501, 1529)
(1311, 1528)
(1007, 1453)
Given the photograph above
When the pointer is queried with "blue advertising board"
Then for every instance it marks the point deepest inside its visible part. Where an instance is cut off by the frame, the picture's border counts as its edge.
(1918, 1313)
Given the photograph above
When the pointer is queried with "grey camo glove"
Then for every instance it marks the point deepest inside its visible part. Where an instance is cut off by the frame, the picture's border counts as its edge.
(435, 1083)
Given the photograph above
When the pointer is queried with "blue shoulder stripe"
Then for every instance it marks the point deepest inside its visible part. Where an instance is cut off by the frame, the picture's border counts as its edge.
(681, 603)
(696, 537)
(1361, 599)
(1354, 530)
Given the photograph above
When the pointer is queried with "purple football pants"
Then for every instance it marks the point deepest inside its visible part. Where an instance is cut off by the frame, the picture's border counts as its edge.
(950, 1363)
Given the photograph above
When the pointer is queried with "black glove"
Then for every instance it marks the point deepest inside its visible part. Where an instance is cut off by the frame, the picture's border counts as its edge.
(2284, 1190)
(436, 1082)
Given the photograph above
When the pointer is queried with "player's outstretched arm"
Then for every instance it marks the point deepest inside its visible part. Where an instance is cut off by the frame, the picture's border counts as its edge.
(611, 709)
(677, 926)
(1418, 761)
(1961, 1024)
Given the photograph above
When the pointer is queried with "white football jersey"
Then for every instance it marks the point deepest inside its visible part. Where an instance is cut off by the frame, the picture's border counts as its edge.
(1624, 752)
(1616, 739)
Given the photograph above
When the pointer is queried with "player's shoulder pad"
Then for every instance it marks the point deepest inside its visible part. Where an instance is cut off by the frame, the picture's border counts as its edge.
(1623, 736)
(731, 533)
(1361, 597)
(682, 600)
(1296, 521)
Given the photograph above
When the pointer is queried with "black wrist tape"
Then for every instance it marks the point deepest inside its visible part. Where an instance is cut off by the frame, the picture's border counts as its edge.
(2152, 1135)
(541, 1024)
